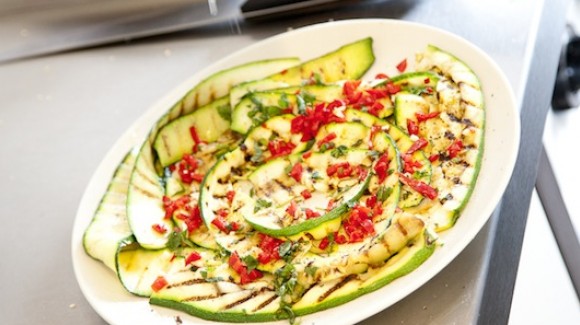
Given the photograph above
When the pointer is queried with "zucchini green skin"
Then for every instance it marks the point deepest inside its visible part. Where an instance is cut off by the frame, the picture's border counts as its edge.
(145, 194)
(350, 61)
(412, 258)
(109, 226)
(401, 264)
(416, 80)
(174, 139)
(409, 198)
(230, 317)
(256, 107)
(466, 117)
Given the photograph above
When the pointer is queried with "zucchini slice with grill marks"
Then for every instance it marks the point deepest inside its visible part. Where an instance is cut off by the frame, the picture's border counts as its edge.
(109, 226)
(146, 190)
(409, 197)
(255, 108)
(294, 197)
(456, 136)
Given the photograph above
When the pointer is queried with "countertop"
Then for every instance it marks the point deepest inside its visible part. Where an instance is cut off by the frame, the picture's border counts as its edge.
(61, 113)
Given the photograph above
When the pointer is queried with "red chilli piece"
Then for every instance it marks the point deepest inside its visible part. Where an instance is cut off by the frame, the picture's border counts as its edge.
(311, 214)
(402, 66)
(424, 117)
(279, 148)
(392, 88)
(291, 209)
(412, 127)
(194, 256)
(296, 172)
(409, 164)
(221, 224)
(159, 284)
(381, 75)
(324, 243)
(455, 148)
(196, 140)
(306, 194)
(417, 145)
(381, 167)
(245, 276)
(160, 229)
(230, 196)
(422, 188)
(329, 137)
(270, 248)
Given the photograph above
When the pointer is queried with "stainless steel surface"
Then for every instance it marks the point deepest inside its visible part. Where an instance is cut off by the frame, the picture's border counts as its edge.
(32, 27)
(60, 114)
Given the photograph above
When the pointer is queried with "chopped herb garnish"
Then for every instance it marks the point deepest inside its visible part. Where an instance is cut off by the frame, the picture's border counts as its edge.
(225, 112)
(373, 154)
(308, 97)
(284, 248)
(420, 174)
(339, 151)
(178, 240)
(283, 101)
(326, 146)
(250, 261)
(257, 156)
(383, 193)
(301, 104)
(316, 175)
(311, 270)
(358, 143)
(261, 204)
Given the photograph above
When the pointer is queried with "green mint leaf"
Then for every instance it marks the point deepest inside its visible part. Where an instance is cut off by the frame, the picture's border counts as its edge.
(225, 112)
(261, 204)
(250, 261)
(339, 151)
(383, 193)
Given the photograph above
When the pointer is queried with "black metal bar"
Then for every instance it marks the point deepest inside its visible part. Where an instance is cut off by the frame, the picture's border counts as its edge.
(505, 249)
(559, 219)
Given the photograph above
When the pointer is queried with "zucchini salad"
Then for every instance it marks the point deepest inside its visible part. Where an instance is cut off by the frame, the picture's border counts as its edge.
(279, 188)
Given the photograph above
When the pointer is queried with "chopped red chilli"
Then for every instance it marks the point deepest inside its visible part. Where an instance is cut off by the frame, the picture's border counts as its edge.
(230, 196)
(329, 137)
(296, 172)
(402, 66)
(246, 276)
(193, 219)
(194, 256)
(310, 214)
(412, 127)
(159, 283)
(315, 117)
(291, 209)
(424, 117)
(324, 243)
(417, 145)
(381, 167)
(186, 169)
(270, 249)
(422, 188)
(306, 194)
(196, 140)
(159, 228)
(279, 148)
(454, 149)
(409, 165)
(359, 224)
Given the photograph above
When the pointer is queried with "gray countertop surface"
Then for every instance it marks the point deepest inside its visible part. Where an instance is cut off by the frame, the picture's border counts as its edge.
(61, 113)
